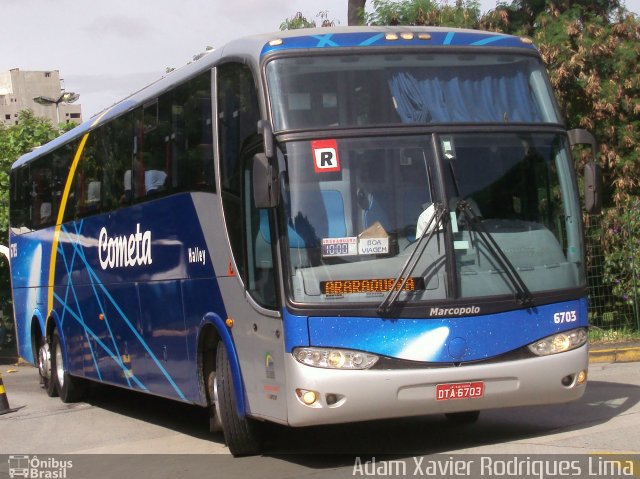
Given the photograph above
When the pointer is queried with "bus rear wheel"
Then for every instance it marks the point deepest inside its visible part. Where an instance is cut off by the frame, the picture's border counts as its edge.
(69, 389)
(45, 369)
(241, 434)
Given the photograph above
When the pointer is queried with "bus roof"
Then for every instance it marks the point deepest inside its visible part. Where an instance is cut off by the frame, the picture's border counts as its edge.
(258, 46)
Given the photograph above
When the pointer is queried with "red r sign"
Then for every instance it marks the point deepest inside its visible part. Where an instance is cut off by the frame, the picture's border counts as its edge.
(325, 156)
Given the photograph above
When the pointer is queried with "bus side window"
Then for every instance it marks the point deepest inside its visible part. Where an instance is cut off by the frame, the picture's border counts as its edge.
(85, 194)
(116, 179)
(42, 200)
(238, 115)
(44, 185)
(149, 173)
(192, 136)
(172, 143)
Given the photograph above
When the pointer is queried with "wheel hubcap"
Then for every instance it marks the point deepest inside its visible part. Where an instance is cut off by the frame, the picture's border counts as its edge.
(59, 365)
(44, 361)
(216, 423)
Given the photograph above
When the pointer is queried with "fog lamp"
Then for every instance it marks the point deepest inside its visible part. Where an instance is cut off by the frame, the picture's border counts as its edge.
(307, 396)
(582, 377)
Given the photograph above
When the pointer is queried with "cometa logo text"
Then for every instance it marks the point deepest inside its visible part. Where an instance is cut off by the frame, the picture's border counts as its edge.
(124, 251)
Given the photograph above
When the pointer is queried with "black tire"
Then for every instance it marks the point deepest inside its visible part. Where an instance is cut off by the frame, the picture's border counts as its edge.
(70, 389)
(466, 417)
(242, 435)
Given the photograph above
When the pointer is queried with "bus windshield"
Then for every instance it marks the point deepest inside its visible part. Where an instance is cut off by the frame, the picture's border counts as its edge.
(351, 228)
(385, 89)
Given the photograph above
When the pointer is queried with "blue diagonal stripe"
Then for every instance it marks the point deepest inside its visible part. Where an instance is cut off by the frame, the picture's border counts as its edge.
(488, 40)
(70, 289)
(96, 279)
(80, 253)
(371, 40)
(448, 39)
(99, 341)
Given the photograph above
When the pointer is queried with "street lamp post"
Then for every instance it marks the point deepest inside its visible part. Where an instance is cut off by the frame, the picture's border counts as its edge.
(65, 97)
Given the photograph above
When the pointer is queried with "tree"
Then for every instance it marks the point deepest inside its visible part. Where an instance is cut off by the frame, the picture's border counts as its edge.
(300, 21)
(463, 13)
(30, 132)
(15, 141)
(355, 12)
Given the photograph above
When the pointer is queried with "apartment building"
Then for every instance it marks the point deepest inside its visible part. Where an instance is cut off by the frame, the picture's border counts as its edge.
(18, 89)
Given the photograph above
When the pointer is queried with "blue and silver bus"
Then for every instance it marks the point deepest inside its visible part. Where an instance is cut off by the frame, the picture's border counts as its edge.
(313, 227)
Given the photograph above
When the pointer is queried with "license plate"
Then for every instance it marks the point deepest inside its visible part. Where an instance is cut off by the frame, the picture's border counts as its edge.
(474, 390)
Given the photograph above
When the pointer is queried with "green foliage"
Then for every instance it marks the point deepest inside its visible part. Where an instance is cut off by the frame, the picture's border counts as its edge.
(300, 21)
(622, 334)
(15, 141)
(621, 261)
(30, 132)
(462, 13)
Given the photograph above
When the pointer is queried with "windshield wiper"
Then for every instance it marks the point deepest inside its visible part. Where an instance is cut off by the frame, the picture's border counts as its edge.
(523, 295)
(392, 296)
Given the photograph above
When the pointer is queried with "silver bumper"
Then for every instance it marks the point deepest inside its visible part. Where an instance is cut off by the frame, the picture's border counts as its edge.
(372, 394)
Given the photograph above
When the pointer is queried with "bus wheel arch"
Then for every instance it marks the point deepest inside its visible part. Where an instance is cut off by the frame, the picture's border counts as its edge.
(222, 336)
(220, 380)
(36, 339)
(241, 433)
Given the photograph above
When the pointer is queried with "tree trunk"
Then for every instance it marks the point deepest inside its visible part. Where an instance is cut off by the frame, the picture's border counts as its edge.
(356, 12)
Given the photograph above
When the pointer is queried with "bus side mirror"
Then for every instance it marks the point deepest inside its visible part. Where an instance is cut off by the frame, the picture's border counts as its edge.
(264, 129)
(265, 182)
(592, 171)
(593, 188)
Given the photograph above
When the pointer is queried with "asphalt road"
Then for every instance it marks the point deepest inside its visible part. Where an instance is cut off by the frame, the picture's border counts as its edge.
(174, 440)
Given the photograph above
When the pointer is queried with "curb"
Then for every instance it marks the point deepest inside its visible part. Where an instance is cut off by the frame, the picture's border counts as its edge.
(615, 355)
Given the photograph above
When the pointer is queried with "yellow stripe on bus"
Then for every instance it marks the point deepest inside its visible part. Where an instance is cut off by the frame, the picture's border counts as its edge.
(2, 391)
(63, 206)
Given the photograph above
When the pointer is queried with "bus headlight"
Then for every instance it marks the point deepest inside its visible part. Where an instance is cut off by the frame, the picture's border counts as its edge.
(334, 358)
(560, 342)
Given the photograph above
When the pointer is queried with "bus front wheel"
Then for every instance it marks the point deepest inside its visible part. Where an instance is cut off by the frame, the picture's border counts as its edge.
(240, 434)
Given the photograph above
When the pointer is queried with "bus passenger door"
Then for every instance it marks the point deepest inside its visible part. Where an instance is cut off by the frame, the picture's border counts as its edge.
(248, 288)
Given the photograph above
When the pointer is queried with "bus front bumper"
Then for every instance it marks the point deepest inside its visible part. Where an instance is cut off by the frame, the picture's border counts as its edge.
(350, 396)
